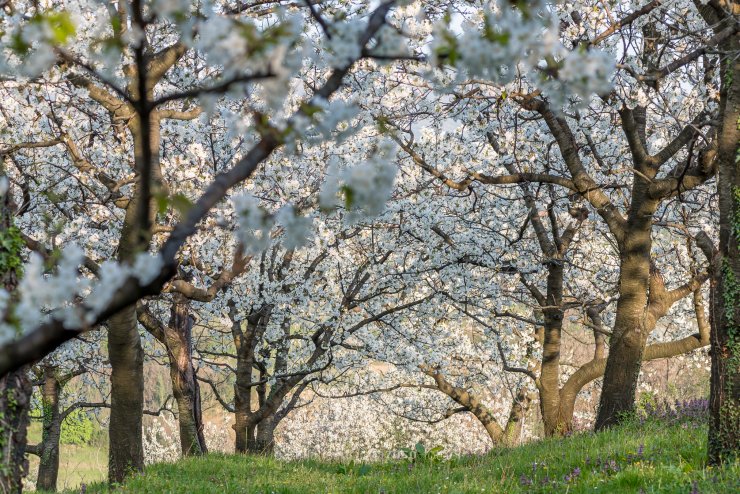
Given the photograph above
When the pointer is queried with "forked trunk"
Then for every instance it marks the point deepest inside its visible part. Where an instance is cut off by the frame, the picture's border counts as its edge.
(630, 334)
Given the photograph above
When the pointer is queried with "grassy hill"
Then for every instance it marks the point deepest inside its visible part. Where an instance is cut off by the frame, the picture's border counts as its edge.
(655, 455)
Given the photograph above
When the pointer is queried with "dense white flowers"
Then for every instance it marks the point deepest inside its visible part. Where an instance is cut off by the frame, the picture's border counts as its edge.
(448, 258)
(364, 188)
(112, 275)
(344, 47)
(513, 42)
(582, 74)
(588, 73)
(254, 222)
(40, 294)
(297, 229)
(222, 43)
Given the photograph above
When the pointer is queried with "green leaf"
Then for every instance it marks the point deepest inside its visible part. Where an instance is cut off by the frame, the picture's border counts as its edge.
(163, 203)
(181, 203)
(61, 25)
(349, 196)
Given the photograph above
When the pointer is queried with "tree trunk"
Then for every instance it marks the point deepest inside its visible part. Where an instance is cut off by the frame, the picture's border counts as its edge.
(630, 334)
(52, 426)
(15, 387)
(242, 396)
(549, 386)
(240, 430)
(265, 438)
(127, 372)
(242, 402)
(126, 454)
(244, 341)
(251, 437)
(124, 343)
(178, 337)
(515, 424)
(620, 378)
(724, 425)
(15, 402)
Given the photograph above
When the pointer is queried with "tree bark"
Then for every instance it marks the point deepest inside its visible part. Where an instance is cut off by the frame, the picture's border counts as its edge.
(15, 403)
(124, 343)
(242, 393)
(52, 427)
(245, 340)
(15, 387)
(126, 454)
(127, 371)
(515, 424)
(549, 385)
(630, 332)
(724, 425)
(264, 438)
(178, 340)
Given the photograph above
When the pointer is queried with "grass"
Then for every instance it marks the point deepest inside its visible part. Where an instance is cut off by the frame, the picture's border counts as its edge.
(651, 457)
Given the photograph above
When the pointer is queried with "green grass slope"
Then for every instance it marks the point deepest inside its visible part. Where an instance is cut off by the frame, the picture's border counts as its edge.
(655, 456)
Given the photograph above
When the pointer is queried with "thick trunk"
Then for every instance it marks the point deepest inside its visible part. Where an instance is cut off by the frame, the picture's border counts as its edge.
(251, 437)
(260, 431)
(724, 426)
(240, 429)
(242, 403)
(190, 436)
(124, 343)
(15, 402)
(126, 454)
(620, 378)
(265, 438)
(244, 341)
(52, 425)
(630, 333)
(549, 385)
(178, 337)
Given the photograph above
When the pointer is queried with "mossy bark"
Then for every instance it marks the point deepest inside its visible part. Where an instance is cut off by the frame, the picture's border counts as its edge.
(15, 387)
(724, 427)
(51, 432)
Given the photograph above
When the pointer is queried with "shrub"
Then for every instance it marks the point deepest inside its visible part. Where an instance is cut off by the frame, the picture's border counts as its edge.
(77, 428)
